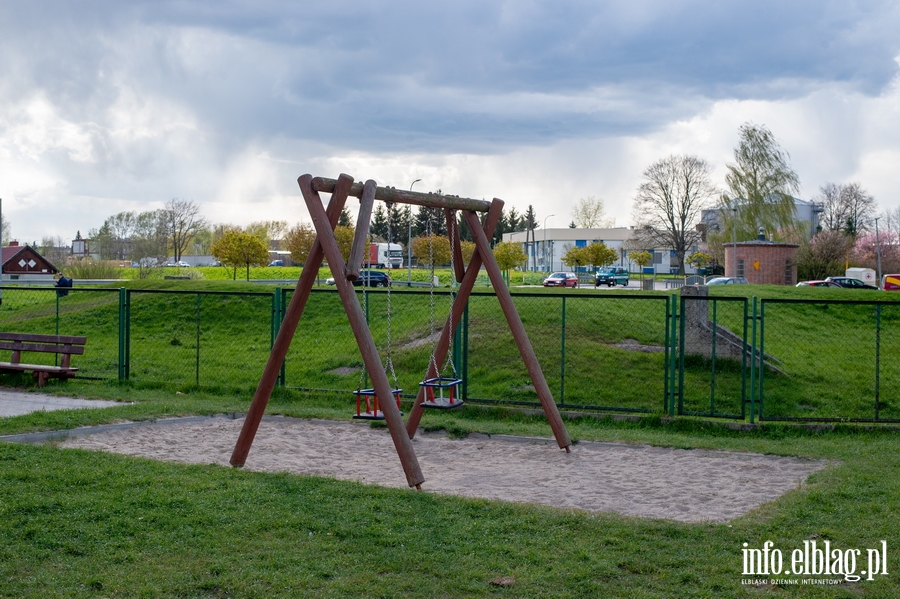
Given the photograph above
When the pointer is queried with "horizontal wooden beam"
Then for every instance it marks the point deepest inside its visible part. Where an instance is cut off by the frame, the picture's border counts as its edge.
(390, 194)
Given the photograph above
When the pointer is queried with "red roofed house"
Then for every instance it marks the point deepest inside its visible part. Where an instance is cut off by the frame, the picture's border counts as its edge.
(22, 263)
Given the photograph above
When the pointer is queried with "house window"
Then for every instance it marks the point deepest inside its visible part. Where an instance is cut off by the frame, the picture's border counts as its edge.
(657, 257)
(740, 268)
(788, 273)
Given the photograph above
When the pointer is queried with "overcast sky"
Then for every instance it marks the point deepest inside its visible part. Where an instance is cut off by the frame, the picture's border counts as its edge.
(114, 106)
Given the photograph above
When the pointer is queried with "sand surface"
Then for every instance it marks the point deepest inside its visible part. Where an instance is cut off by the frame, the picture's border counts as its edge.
(635, 480)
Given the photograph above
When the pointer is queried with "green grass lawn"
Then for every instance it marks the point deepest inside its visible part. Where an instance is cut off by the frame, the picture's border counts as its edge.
(81, 524)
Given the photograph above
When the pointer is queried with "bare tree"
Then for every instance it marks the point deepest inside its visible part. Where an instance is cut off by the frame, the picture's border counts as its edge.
(847, 207)
(669, 201)
(148, 245)
(271, 232)
(55, 250)
(860, 207)
(5, 230)
(589, 213)
(182, 219)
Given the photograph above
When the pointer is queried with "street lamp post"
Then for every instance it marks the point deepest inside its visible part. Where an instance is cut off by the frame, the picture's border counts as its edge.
(878, 253)
(544, 247)
(409, 242)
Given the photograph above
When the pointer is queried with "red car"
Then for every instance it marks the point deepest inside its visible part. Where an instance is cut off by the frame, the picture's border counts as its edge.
(561, 279)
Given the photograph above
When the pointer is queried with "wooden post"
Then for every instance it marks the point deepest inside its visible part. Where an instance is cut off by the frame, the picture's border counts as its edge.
(518, 332)
(456, 311)
(389, 194)
(288, 326)
(371, 359)
(361, 235)
(453, 233)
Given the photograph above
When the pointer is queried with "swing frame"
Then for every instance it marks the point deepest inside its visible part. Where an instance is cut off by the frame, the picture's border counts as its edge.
(325, 246)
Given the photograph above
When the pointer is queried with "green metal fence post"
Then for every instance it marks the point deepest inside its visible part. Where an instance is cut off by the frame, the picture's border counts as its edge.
(562, 360)
(127, 334)
(672, 353)
(668, 349)
(712, 366)
(761, 370)
(56, 356)
(877, 361)
(679, 390)
(753, 350)
(123, 296)
(465, 356)
(197, 365)
(744, 350)
(280, 301)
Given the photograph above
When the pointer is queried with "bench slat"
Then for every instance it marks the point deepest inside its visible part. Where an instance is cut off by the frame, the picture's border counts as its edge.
(40, 367)
(53, 349)
(67, 339)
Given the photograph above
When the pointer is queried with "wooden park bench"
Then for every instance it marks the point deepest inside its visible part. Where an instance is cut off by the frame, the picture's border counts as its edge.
(64, 346)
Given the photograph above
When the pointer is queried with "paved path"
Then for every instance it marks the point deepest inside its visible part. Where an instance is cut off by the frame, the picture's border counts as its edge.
(17, 403)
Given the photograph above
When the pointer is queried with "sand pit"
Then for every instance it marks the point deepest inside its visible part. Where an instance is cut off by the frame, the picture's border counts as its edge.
(635, 480)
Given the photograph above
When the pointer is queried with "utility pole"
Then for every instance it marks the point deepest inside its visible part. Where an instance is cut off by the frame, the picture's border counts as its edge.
(409, 242)
(878, 252)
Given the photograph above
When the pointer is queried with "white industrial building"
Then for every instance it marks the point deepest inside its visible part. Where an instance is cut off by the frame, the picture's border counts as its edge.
(549, 245)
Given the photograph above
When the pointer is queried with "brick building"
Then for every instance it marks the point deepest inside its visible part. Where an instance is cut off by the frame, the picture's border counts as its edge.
(21, 263)
(762, 262)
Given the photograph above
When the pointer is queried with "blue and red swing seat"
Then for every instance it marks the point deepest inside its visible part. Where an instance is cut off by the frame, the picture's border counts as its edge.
(435, 396)
(372, 411)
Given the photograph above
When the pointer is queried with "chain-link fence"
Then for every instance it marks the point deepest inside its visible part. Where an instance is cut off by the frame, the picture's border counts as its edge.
(714, 352)
(725, 357)
(835, 360)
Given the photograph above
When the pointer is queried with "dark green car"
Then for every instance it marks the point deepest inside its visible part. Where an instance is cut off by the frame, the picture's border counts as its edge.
(611, 276)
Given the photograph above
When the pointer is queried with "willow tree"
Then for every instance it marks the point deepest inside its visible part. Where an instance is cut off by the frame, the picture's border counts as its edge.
(761, 187)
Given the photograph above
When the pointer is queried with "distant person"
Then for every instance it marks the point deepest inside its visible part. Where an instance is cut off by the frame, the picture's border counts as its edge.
(62, 284)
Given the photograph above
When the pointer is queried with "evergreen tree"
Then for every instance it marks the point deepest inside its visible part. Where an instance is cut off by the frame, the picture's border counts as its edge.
(438, 221)
(397, 224)
(344, 220)
(378, 227)
(501, 228)
(514, 221)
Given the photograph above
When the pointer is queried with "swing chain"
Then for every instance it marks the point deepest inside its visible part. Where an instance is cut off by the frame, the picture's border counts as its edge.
(389, 362)
(452, 294)
(430, 231)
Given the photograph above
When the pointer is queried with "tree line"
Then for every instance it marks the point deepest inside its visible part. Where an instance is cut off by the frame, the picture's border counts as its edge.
(759, 195)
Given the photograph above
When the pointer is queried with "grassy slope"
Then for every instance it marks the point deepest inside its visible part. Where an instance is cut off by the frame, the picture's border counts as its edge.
(826, 352)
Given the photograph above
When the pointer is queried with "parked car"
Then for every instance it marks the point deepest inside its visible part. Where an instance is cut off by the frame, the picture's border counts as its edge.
(170, 265)
(276, 263)
(372, 278)
(611, 276)
(728, 281)
(561, 279)
(850, 283)
(182, 264)
(817, 284)
(890, 282)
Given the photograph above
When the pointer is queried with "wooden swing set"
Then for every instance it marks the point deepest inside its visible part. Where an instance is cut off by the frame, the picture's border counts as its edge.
(325, 245)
